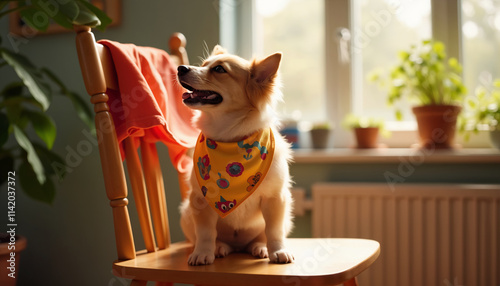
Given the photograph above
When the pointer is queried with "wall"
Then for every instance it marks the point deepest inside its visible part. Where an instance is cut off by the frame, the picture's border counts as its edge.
(72, 241)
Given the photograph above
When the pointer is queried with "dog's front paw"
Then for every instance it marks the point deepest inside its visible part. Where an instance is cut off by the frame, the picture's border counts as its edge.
(201, 258)
(222, 249)
(259, 250)
(281, 256)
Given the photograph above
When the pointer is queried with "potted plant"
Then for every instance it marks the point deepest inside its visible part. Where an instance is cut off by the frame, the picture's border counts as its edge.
(433, 84)
(27, 132)
(320, 135)
(482, 112)
(366, 130)
(10, 246)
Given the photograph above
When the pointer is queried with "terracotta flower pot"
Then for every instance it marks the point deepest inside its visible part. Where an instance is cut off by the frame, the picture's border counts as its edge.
(366, 137)
(7, 263)
(436, 125)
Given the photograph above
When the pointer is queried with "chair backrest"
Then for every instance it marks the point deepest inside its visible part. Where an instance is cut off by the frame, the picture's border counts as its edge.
(146, 179)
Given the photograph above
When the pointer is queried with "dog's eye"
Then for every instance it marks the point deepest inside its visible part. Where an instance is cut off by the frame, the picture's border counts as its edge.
(219, 69)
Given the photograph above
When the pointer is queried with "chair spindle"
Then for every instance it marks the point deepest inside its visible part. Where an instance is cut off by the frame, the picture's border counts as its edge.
(114, 179)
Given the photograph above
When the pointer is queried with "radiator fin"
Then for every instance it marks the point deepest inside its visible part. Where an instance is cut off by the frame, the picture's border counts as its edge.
(429, 234)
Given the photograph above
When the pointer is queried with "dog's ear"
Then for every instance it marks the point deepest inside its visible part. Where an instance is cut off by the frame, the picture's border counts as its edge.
(218, 50)
(266, 68)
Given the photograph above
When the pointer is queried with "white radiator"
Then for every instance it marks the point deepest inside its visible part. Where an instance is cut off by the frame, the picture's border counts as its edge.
(429, 234)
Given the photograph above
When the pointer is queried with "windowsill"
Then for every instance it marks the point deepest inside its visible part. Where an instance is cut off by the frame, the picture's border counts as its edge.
(396, 155)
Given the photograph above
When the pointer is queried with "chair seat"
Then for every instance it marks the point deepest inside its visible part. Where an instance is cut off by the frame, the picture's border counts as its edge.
(318, 261)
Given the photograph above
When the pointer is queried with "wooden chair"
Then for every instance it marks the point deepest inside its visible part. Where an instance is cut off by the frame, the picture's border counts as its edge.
(318, 261)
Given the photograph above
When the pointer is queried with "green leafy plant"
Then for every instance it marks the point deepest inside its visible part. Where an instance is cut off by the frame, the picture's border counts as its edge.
(352, 121)
(482, 110)
(24, 103)
(425, 76)
(321, 125)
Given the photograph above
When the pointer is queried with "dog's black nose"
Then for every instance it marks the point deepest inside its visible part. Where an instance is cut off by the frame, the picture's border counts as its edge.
(182, 70)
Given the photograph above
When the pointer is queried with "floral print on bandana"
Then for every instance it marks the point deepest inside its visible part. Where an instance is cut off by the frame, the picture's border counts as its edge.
(239, 167)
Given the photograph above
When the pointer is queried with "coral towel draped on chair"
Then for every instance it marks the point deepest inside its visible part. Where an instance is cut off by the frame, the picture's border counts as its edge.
(149, 102)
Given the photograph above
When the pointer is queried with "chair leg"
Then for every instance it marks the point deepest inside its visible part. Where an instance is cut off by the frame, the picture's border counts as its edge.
(138, 283)
(352, 282)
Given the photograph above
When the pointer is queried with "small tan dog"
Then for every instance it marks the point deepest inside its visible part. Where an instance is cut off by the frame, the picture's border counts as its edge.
(237, 206)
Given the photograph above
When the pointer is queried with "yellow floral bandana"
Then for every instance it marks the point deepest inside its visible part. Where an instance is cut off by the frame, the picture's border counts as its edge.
(228, 173)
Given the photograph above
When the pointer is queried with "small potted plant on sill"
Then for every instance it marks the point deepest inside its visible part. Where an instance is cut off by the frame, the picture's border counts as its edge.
(433, 84)
(366, 130)
(482, 112)
(320, 135)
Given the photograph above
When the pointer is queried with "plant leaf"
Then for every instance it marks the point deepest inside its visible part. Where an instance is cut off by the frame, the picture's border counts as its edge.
(16, 101)
(55, 79)
(45, 192)
(70, 10)
(81, 106)
(4, 129)
(31, 16)
(101, 15)
(86, 17)
(82, 109)
(30, 77)
(49, 160)
(3, 4)
(32, 156)
(44, 127)
(399, 115)
(6, 165)
(13, 89)
(455, 65)
(65, 14)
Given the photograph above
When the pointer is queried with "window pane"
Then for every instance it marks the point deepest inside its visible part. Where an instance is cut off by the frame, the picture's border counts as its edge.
(296, 28)
(382, 28)
(481, 39)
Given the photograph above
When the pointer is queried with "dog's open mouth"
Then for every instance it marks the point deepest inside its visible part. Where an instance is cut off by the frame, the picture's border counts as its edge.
(194, 96)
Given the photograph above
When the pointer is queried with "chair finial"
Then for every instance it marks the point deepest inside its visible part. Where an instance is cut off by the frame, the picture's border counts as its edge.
(177, 41)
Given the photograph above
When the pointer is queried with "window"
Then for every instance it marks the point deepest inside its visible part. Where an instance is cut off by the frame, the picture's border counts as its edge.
(380, 29)
(481, 39)
(330, 47)
(296, 28)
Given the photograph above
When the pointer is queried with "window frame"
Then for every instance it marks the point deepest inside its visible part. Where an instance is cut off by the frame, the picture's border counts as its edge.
(237, 35)
(338, 14)
(236, 19)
